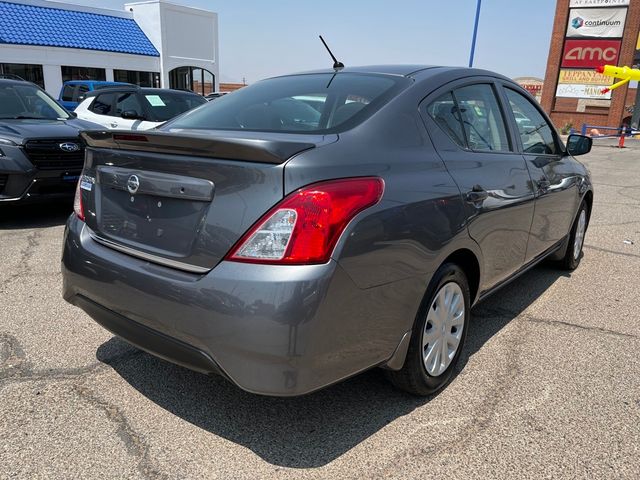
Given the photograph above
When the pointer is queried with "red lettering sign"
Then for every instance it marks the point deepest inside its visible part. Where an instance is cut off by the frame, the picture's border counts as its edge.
(590, 53)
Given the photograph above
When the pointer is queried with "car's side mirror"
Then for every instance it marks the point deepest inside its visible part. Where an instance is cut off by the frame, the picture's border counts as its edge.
(131, 115)
(579, 144)
(81, 98)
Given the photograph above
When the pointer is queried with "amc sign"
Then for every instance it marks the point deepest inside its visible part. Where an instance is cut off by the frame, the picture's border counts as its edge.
(590, 53)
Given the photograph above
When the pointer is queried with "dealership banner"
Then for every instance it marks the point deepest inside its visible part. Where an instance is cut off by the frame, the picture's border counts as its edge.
(598, 3)
(584, 77)
(572, 90)
(596, 22)
(590, 53)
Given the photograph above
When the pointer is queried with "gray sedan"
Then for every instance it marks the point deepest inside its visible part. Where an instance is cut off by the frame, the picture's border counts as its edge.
(313, 226)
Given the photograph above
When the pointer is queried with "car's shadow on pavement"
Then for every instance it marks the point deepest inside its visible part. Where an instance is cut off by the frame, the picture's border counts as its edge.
(35, 215)
(313, 430)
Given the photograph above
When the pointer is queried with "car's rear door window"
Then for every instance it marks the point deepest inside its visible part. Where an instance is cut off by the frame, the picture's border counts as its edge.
(444, 110)
(311, 103)
(535, 132)
(481, 117)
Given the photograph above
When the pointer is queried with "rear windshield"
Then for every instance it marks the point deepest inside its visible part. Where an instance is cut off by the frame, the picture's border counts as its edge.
(314, 103)
(166, 105)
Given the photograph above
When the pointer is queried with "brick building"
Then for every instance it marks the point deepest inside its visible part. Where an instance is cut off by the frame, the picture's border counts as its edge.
(588, 33)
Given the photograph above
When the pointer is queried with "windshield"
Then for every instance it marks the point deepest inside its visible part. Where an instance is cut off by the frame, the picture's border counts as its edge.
(166, 105)
(28, 101)
(313, 103)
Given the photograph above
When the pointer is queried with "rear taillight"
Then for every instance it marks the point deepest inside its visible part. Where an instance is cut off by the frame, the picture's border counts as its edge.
(77, 201)
(305, 226)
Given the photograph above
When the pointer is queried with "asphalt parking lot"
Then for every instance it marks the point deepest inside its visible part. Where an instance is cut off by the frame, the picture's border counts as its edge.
(548, 386)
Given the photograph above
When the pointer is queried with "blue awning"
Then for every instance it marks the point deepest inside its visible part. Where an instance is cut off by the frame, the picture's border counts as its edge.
(55, 27)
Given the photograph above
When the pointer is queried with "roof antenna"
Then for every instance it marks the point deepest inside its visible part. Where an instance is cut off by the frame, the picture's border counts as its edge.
(336, 63)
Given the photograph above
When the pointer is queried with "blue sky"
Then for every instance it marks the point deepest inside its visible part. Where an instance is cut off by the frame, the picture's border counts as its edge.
(259, 39)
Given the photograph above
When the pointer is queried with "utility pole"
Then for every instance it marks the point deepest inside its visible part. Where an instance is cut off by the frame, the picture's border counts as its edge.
(475, 34)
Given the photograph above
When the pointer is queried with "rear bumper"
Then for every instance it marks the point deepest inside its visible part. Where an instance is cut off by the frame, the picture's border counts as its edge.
(148, 339)
(272, 330)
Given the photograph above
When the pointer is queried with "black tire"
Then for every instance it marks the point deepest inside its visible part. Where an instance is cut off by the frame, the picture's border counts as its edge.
(570, 261)
(413, 377)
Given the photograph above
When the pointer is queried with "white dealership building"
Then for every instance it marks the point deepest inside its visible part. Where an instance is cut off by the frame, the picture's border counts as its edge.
(152, 43)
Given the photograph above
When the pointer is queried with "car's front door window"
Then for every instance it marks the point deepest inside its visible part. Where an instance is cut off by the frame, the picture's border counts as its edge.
(535, 132)
(128, 102)
(103, 104)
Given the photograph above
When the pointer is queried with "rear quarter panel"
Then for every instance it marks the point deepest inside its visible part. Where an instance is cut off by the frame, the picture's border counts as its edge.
(391, 250)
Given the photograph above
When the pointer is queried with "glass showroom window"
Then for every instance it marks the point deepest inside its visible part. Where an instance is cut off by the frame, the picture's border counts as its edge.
(31, 73)
(143, 79)
(82, 73)
(195, 79)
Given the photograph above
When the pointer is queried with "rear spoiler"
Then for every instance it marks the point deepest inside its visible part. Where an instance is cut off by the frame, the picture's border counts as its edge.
(262, 147)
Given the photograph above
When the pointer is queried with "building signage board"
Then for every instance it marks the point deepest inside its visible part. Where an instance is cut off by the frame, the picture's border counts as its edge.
(596, 22)
(584, 77)
(574, 90)
(598, 3)
(590, 53)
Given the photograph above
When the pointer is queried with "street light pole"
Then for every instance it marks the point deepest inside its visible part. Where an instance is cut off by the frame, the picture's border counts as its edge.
(475, 34)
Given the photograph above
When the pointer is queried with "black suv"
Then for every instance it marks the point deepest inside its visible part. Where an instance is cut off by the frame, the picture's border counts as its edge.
(41, 154)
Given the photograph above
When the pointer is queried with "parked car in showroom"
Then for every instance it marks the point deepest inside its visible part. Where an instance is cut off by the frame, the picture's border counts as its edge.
(41, 153)
(74, 91)
(287, 251)
(136, 108)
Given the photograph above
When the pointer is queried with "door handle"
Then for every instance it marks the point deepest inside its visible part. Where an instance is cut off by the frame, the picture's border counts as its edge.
(114, 125)
(544, 184)
(477, 194)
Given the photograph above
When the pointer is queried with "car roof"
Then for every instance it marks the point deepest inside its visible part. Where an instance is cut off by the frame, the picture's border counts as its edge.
(15, 81)
(417, 71)
(10, 81)
(398, 70)
(100, 82)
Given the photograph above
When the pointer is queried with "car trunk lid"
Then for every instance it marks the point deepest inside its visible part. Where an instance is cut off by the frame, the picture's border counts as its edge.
(182, 199)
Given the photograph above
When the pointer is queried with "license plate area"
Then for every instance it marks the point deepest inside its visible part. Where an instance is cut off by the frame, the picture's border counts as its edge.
(167, 225)
(163, 215)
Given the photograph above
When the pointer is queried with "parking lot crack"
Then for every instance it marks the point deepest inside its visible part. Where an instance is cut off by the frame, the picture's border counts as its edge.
(482, 417)
(25, 255)
(21, 371)
(12, 357)
(588, 328)
(613, 252)
(133, 442)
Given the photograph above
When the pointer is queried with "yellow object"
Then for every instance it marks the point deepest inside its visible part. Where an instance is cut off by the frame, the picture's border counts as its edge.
(625, 73)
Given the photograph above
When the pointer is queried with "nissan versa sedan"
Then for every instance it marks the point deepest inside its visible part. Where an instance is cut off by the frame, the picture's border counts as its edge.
(287, 244)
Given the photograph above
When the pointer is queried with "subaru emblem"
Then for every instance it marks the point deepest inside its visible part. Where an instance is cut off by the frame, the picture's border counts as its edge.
(69, 147)
(133, 184)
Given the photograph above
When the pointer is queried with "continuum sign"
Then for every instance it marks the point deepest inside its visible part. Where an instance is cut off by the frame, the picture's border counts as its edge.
(590, 53)
(596, 22)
